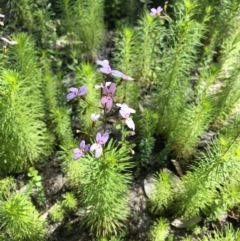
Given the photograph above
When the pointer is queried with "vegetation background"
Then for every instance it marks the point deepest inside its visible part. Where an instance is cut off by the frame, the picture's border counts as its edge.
(186, 90)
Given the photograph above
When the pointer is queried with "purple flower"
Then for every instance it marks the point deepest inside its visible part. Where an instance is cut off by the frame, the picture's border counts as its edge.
(155, 11)
(108, 93)
(11, 42)
(106, 69)
(94, 117)
(2, 15)
(100, 140)
(79, 152)
(125, 112)
(75, 92)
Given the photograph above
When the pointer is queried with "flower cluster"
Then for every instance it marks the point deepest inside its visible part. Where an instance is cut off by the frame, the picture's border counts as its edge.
(77, 92)
(156, 11)
(125, 112)
(106, 69)
(108, 90)
(97, 146)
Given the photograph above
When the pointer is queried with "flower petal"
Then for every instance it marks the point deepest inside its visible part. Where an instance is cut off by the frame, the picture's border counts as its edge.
(124, 114)
(86, 148)
(103, 63)
(108, 83)
(98, 151)
(104, 100)
(98, 137)
(119, 105)
(71, 96)
(73, 89)
(82, 144)
(117, 73)
(159, 10)
(11, 42)
(109, 103)
(104, 138)
(76, 150)
(125, 77)
(83, 90)
(130, 123)
(105, 70)
(112, 89)
(93, 147)
(94, 117)
(77, 156)
(2, 16)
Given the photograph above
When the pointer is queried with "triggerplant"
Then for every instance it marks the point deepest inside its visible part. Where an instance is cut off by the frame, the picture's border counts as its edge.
(103, 187)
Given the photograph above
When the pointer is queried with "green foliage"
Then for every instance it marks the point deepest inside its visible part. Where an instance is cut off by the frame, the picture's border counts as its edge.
(60, 208)
(145, 149)
(119, 12)
(162, 193)
(69, 201)
(89, 13)
(159, 230)
(186, 135)
(227, 234)
(177, 61)
(213, 179)
(147, 40)
(57, 213)
(24, 138)
(86, 74)
(35, 186)
(103, 189)
(20, 220)
(124, 52)
(7, 185)
(62, 125)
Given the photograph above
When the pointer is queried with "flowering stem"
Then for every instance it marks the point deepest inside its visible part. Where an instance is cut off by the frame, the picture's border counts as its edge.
(105, 118)
(90, 104)
(83, 132)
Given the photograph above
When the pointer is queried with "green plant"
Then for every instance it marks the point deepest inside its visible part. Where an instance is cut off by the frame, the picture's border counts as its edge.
(57, 213)
(161, 195)
(20, 220)
(227, 234)
(103, 189)
(24, 138)
(87, 74)
(69, 201)
(211, 185)
(7, 185)
(145, 149)
(35, 186)
(159, 230)
(123, 54)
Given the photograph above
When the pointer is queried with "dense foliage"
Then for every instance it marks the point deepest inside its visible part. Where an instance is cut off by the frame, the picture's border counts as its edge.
(174, 79)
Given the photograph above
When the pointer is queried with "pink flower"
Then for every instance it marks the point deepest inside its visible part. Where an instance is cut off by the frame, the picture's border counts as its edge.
(75, 92)
(79, 152)
(11, 42)
(2, 15)
(155, 11)
(108, 93)
(106, 69)
(100, 140)
(94, 117)
(125, 112)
